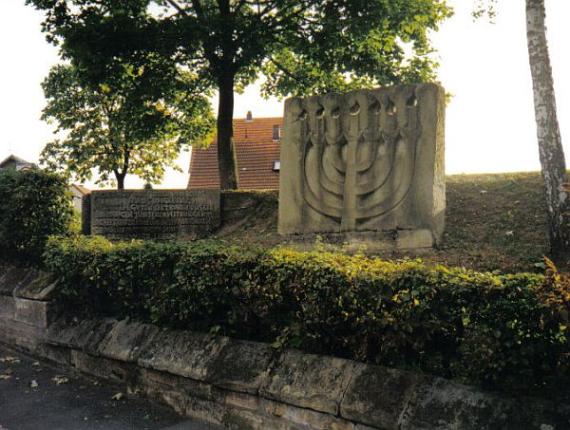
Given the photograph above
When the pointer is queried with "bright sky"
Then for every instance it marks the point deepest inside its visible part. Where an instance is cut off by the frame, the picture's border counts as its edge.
(490, 121)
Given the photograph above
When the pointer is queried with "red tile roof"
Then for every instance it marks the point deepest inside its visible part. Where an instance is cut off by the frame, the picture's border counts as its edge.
(256, 151)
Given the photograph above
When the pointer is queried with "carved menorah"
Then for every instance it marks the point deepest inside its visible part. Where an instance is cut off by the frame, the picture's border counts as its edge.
(350, 162)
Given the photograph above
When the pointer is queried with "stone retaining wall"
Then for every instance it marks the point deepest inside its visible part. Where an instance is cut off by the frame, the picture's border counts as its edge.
(250, 385)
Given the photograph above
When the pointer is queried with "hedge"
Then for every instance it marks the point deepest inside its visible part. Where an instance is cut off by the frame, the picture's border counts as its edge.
(500, 331)
(34, 204)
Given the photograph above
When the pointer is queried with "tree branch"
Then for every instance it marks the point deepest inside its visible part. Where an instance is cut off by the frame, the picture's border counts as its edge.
(176, 6)
(286, 71)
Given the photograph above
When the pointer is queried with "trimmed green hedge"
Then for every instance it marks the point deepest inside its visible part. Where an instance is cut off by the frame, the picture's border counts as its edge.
(34, 204)
(505, 331)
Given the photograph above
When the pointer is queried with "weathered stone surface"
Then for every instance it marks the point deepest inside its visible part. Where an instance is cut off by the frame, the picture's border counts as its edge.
(16, 278)
(441, 404)
(156, 381)
(182, 353)
(241, 366)
(41, 287)
(309, 381)
(301, 391)
(301, 418)
(414, 239)
(19, 334)
(204, 410)
(244, 411)
(57, 354)
(368, 160)
(124, 340)
(33, 312)
(85, 335)
(7, 307)
(103, 368)
(154, 214)
(377, 396)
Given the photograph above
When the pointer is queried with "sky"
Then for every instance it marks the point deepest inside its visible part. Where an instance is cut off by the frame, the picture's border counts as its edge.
(489, 121)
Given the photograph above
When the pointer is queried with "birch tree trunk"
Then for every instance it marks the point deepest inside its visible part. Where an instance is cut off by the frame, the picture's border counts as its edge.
(548, 131)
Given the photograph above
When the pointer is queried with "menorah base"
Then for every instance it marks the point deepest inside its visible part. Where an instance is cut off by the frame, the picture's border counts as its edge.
(368, 242)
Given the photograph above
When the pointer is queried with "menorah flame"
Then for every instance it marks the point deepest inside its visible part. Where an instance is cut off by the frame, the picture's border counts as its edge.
(352, 158)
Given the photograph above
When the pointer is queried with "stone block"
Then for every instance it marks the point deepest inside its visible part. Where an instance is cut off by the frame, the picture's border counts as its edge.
(16, 278)
(309, 381)
(238, 419)
(378, 396)
(288, 416)
(124, 340)
(204, 410)
(41, 287)
(368, 160)
(154, 214)
(7, 307)
(185, 396)
(442, 404)
(33, 312)
(241, 366)
(85, 335)
(414, 239)
(111, 370)
(21, 335)
(156, 381)
(182, 353)
(56, 354)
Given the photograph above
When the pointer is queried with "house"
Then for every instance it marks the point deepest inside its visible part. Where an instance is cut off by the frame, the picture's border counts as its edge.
(77, 194)
(257, 143)
(16, 163)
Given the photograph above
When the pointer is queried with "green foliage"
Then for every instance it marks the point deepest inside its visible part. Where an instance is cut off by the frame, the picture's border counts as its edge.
(484, 8)
(34, 204)
(501, 331)
(301, 46)
(134, 121)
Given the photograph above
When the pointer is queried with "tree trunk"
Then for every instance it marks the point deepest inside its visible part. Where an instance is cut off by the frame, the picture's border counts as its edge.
(120, 180)
(226, 158)
(549, 141)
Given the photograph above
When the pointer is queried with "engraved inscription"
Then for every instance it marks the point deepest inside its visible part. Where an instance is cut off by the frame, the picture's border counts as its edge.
(155, 214)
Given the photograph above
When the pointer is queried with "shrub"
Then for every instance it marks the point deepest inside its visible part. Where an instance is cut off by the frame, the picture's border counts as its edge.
(506, 331)
(34, 204)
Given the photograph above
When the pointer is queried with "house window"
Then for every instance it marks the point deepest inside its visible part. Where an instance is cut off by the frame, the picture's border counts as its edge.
(276, 132)
(276, 166)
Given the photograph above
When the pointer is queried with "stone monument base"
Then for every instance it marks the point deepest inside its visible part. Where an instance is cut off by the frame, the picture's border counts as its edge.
(417, 240)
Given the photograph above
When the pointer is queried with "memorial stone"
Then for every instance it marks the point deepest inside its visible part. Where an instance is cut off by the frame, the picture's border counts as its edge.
(154, 214)
(364, 164)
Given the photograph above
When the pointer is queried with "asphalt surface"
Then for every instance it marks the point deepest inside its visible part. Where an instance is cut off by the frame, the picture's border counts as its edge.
(36, 395)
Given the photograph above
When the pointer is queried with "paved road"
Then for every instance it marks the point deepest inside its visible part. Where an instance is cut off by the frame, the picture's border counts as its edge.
(35, 396)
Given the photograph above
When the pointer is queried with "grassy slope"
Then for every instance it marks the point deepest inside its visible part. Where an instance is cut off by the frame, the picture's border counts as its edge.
(493, 222)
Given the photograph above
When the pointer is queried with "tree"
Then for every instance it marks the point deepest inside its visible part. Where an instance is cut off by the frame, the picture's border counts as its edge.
(136, 122)
(302, 46)
(552, 160)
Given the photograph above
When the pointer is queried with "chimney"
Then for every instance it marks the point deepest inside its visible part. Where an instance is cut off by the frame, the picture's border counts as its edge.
(249, 117)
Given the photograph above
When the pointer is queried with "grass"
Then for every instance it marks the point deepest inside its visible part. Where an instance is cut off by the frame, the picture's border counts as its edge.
(494, 222)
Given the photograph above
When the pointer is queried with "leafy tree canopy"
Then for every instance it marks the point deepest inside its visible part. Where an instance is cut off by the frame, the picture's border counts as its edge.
(135, 121)
(301, 46)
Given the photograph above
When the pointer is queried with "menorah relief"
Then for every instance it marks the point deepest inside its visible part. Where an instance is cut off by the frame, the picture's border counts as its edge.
(367, 160)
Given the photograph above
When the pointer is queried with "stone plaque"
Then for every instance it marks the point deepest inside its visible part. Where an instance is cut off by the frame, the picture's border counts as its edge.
(155, 214)
(365, 161)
